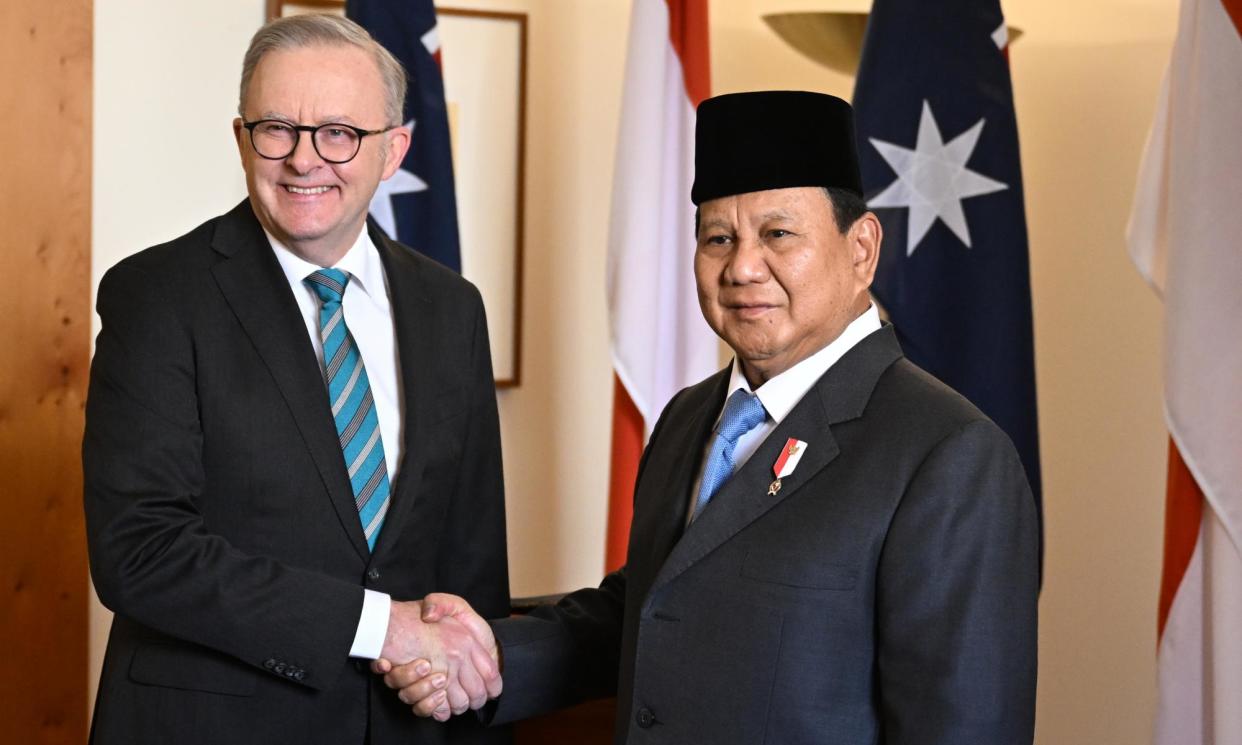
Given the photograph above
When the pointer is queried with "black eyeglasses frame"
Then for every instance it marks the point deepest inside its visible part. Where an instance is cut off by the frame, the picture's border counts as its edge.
(300, 128)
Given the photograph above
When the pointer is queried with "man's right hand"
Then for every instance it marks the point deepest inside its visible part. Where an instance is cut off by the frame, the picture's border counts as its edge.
(453, 648)
(421, 685)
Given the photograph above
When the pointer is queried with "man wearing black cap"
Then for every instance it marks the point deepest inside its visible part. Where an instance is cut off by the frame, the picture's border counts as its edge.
(828, 544)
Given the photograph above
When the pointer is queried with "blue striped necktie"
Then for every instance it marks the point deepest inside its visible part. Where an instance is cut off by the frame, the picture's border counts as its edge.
(742, 413)
(353, 405)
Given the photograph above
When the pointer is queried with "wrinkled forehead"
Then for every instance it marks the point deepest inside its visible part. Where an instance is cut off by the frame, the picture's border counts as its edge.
(798, 202)
(338, 82)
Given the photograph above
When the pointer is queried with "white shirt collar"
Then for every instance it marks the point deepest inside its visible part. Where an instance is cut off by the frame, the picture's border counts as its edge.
(361, 261)
(780, 394)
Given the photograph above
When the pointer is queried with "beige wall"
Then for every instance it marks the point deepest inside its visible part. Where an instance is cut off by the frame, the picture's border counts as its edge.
(1086, 75)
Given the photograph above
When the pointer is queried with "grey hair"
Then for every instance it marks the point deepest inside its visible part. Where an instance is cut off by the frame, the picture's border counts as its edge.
(313, 29)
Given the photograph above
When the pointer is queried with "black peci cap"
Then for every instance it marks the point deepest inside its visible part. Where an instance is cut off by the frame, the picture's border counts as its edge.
(747, 142)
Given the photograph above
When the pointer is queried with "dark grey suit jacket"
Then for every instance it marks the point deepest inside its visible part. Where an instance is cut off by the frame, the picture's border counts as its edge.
(886, 594)
(221, 525)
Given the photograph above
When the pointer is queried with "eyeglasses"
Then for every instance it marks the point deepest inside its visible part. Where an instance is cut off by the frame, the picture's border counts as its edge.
(275, 139)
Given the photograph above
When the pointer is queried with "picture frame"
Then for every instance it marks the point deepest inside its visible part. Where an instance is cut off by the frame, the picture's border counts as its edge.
(485, 72)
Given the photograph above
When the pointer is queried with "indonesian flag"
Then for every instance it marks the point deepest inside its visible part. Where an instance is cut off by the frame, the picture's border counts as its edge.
(660, 343)
(1186, 238)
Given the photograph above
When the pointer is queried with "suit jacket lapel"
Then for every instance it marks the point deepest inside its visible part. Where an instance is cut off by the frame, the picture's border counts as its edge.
(663, 497)
(255, 288)
(417, 327)
(840, 395)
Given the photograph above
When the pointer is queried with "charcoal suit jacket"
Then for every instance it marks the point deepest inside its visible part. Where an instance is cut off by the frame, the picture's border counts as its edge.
(221, 525)
(885, 594)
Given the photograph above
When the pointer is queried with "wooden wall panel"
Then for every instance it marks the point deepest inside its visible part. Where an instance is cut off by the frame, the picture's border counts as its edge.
(590, 723)
(45, 227)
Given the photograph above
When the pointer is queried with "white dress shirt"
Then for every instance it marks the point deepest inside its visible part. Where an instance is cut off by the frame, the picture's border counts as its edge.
(781, 394)
(368, 315)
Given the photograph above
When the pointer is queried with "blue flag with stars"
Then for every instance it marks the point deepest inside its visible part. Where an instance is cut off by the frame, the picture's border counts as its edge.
(417, 205)
(938, 143)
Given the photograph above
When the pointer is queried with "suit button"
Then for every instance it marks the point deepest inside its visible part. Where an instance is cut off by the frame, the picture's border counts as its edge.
(645, 717)
(279, 669)
(269, 664)
(299, 675)
(373, 574)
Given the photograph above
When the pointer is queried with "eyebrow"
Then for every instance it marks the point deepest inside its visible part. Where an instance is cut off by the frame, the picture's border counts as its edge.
(333, 119)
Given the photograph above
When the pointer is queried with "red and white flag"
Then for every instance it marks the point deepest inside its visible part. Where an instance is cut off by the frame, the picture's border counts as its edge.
(1185, 237)
(660, 343)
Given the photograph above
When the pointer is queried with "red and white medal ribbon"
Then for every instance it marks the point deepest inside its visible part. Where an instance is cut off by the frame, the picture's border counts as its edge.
(786, 463)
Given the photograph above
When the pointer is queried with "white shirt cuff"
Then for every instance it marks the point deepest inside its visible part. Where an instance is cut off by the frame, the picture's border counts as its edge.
(372, 626)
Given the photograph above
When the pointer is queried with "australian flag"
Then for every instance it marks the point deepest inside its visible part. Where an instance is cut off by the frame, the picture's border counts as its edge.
(939, 152)
(417, 205)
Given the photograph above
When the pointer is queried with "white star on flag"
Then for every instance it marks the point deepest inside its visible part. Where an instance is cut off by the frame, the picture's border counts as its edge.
(932, 179)
(401, 182)
(431, 40)
(1000, 37)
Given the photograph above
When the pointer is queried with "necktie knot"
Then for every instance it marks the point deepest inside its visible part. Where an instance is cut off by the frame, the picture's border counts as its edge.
(742, 413)
(328, 284)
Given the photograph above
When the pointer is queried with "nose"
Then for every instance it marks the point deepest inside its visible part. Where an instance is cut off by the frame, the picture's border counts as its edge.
(304, 157)
(748, 263)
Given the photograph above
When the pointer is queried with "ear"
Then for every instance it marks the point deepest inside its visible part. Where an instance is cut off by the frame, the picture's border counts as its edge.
(396, 145)
(865, 236)
(237, 135)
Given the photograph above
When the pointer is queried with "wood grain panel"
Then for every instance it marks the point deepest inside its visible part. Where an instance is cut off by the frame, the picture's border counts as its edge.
(45, 197)
(590, 723)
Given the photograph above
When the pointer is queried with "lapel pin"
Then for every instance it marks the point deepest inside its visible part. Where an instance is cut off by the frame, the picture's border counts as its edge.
(786, 463)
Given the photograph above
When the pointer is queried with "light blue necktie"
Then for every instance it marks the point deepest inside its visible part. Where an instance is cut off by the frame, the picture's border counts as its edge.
(353, 405)
(742, 413)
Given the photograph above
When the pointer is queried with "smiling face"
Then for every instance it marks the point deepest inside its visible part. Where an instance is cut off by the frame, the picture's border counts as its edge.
(315, 208)
(776, 279)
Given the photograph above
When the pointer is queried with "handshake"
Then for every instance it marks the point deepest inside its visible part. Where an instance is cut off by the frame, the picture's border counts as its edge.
(440, 656)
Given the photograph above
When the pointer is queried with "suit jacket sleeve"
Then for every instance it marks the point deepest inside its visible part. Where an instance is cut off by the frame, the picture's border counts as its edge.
(567, 653)
(956, 647)
(152, 558)
(560, 655)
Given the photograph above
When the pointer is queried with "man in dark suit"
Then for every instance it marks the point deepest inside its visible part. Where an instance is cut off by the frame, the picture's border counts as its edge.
(291, 431)
(828, 545)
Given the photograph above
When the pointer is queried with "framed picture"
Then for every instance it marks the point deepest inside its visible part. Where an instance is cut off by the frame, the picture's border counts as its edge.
(485, 88)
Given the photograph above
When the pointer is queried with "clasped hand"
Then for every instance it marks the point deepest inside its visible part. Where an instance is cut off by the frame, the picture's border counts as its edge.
(440, 656)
